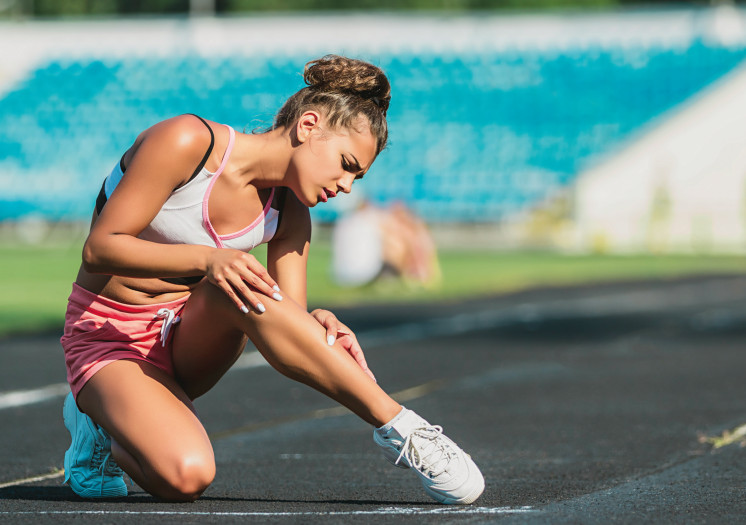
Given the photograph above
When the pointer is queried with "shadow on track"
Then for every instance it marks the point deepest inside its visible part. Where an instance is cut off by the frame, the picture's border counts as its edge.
(62, 493)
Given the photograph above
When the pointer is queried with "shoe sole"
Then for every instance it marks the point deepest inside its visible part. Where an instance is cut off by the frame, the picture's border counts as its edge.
(470, 497)
(70, 417)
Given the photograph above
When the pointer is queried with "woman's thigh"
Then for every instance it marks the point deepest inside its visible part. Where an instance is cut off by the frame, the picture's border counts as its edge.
(207, 340)
(165, 447)
(290, 339)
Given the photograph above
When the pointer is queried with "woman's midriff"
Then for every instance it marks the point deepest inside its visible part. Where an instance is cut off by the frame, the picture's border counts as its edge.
(132, 290)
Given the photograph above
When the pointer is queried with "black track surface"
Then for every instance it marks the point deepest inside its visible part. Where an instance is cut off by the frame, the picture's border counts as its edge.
(580, 405)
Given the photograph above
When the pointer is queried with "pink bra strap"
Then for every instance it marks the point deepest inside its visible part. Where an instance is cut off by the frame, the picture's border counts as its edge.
(205, 211)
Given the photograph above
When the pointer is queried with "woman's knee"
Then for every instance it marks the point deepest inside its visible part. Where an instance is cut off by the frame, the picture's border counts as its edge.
(187, 478)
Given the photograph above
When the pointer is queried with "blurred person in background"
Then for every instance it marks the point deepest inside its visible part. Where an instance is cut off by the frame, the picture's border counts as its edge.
(168, 294)
(372, 243)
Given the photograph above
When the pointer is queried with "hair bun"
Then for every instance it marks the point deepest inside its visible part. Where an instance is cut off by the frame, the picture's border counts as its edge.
(347, 75)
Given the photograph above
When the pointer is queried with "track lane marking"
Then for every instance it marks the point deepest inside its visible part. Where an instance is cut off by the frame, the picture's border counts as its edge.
(19, 398)
(52, 475)
(401, 396)
(383, 511)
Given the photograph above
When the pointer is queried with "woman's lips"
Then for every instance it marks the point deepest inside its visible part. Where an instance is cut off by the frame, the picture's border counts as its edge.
(327, 194)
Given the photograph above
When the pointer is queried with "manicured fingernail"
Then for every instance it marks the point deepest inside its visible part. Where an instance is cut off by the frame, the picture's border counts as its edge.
(260, 307)
(330, 339)
(244, 309)
(276, 288)
(277, 297)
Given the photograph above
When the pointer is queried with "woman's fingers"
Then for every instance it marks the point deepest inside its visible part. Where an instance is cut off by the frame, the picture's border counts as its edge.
(242, 278)
(249, 297)
(224, 285)
(259, 278)
(329, 321)
(339, 332)
(331, 331)
(349, 342)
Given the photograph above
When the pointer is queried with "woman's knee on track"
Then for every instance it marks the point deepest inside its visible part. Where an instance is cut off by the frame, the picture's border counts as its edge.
(187, 478)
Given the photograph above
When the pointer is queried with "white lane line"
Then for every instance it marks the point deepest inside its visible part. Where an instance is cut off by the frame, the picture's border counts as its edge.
(51, 475)
(384, 511)
(19, 398)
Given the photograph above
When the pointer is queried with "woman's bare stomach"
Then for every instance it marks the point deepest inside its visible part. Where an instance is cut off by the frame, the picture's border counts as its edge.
(132, 290)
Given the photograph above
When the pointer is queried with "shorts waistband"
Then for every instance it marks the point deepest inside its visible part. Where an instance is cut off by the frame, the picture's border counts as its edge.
(105, 306)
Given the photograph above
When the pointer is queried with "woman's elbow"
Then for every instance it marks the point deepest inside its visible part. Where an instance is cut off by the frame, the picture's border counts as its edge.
(91, 259)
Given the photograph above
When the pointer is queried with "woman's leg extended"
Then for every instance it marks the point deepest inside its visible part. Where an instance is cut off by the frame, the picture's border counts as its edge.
(288, 337)
(156, 437)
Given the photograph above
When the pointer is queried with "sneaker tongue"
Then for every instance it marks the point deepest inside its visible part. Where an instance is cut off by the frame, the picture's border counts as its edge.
(408, 422)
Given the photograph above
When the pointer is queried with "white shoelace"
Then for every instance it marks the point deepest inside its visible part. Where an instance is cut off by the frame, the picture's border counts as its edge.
(426, 453)
(170, 319)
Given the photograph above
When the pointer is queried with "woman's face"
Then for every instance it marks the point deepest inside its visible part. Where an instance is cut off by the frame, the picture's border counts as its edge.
(327, 161)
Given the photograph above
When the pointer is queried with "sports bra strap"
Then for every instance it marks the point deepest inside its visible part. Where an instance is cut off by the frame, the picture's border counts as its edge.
(205, 210)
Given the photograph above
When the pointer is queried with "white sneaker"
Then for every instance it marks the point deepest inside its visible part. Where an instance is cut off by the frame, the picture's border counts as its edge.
(447, 473)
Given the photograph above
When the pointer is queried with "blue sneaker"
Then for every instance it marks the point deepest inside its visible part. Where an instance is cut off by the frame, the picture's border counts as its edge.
(89, 468)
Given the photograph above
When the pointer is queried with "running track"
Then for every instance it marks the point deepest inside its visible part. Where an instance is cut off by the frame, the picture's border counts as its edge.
(581, 405)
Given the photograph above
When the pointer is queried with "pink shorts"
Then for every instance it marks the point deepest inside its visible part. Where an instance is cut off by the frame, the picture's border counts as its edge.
(99, 331)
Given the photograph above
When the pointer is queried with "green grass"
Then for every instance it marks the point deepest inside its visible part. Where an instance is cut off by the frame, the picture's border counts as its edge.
(35, 281)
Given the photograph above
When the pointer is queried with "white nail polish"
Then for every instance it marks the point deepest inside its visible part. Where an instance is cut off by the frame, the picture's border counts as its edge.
(276, 288)
(330, 339)
(260, 307)
(277, 297)
(244, 309)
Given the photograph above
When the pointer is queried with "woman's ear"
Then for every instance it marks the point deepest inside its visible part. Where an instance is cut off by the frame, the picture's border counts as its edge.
(307, 122)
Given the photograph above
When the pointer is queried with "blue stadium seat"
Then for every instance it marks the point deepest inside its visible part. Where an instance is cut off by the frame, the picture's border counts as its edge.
(468, 132)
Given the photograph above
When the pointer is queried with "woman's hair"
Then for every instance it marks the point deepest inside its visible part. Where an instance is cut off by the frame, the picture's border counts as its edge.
(342, 89)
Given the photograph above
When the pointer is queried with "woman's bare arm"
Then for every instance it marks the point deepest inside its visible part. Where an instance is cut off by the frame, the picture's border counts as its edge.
(164, 159)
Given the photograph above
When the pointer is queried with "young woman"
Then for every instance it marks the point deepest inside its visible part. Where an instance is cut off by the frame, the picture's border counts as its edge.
(168, 293)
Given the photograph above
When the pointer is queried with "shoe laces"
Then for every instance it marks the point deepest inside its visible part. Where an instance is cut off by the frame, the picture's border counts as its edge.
(103, 461)
(426, 451)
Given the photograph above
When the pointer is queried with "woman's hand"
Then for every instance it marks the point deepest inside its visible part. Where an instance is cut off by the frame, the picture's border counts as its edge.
(336, 331)
(239, 274)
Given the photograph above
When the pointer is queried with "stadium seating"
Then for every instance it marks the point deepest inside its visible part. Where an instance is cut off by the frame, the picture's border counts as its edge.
(473, 137)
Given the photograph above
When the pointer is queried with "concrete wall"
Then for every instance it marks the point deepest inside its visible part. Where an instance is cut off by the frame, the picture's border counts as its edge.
(679, 187)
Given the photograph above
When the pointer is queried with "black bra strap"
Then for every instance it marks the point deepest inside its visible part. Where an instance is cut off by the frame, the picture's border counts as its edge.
(101, 199)
(209, 150)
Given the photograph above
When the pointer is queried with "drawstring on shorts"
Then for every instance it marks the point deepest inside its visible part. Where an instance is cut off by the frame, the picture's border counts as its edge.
(170, 319)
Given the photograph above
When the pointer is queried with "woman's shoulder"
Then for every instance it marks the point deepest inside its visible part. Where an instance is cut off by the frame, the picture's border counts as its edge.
(185, 130)
(181, 138)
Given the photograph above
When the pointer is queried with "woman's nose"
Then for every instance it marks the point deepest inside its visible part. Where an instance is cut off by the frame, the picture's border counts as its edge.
(345, 184)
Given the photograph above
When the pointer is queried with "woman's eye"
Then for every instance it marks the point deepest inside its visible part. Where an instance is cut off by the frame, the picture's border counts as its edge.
(345, 164)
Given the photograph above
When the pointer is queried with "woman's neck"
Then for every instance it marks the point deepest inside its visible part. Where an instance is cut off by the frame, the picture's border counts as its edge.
(262, 159)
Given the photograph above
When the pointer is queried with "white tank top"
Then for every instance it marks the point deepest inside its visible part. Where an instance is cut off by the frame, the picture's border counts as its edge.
(184, 217)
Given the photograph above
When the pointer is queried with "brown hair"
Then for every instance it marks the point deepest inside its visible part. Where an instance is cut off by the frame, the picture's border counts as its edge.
(343, 89)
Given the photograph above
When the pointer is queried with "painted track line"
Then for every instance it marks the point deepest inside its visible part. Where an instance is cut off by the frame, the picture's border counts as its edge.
(384, 511)
(43, 477)
(19, 398)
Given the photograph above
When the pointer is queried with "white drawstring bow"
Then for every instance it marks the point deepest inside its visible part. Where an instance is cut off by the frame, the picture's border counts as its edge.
(170, 318)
